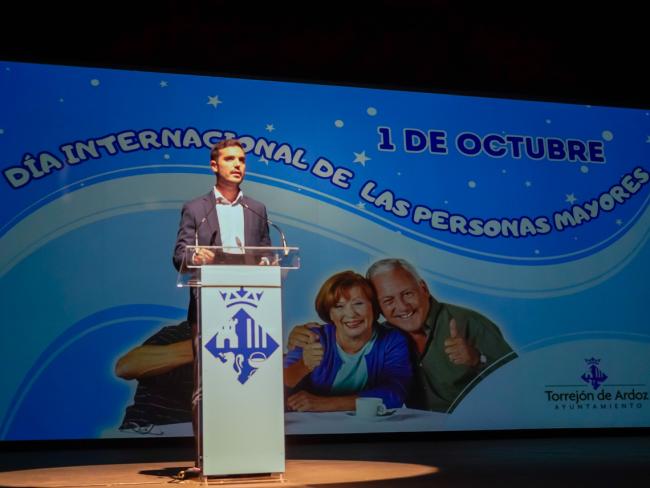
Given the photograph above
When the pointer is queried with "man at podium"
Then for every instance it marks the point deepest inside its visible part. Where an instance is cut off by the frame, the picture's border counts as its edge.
(222, 217)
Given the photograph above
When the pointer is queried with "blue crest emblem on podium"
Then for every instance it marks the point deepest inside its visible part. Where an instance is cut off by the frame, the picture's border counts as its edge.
(242, 339)
(594, 375)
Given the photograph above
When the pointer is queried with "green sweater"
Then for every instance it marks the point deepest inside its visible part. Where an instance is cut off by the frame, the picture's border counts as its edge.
(439, 382)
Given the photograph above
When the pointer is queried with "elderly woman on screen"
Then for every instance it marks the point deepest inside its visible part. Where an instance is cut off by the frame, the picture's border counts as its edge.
(353, 356)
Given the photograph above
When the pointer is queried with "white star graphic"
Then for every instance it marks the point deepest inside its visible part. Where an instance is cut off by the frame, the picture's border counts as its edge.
(619, 222)
(270, 127)
(214, 101)
(163, 84)
(361, 205)
(2, 131)
(264, 160)
(166, 156)
(528, 184)
(61, 100)
(570, 198)
(648, 139)
(361, 158)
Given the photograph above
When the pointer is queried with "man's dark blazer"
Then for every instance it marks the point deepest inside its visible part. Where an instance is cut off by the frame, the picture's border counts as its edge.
(256, 229)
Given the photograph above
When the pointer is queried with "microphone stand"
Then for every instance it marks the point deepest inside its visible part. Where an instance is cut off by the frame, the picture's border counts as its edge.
(282, 237)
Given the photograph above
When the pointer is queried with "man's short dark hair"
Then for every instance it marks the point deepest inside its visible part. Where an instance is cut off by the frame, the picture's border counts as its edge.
(224, 143)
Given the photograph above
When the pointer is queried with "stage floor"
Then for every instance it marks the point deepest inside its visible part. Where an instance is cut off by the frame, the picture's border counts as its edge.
(560, 461)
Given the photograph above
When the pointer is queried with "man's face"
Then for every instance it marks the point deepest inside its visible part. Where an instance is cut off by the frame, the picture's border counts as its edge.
(230, 166)
(404, 300)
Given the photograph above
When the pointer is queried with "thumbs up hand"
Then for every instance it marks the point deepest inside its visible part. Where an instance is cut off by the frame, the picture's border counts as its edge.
(301, 335)
(459, 351)
(312, 355)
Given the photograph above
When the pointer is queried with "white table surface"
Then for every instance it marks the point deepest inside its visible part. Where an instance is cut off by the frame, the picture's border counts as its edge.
(402, 420)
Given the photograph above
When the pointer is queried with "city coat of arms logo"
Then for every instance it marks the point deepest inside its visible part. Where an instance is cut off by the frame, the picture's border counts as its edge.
(241, 340)
(594, 375)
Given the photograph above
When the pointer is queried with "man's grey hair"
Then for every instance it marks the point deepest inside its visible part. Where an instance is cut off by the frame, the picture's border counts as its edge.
(390, 264)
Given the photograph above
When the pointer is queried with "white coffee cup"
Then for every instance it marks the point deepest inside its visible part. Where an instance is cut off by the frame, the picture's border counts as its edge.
(370, 407)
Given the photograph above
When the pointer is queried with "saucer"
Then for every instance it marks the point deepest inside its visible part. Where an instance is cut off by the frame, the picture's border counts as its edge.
(376, 417)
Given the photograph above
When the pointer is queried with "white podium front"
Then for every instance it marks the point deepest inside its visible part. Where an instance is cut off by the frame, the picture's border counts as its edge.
(240, 362)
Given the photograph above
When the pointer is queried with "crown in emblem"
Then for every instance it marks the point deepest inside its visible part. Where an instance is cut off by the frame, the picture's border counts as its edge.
(593, 361)
(241, 297)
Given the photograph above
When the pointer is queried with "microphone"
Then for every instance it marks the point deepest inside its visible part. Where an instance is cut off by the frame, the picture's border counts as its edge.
(198, 227)
(284, 239)
(196, 231)
(239, 244)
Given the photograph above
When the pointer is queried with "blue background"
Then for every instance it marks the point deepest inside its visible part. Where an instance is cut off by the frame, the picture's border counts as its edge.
(76, 298)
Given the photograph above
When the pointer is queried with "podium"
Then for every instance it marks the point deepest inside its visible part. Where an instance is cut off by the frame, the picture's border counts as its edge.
(238, 292)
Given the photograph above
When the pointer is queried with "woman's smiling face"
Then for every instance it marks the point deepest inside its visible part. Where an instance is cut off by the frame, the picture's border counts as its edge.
(352, 314)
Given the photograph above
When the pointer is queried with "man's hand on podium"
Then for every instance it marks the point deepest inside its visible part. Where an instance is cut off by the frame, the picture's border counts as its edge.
(202, 256)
